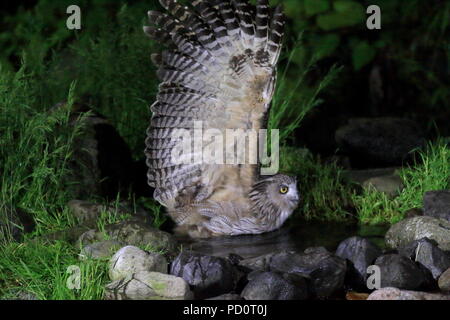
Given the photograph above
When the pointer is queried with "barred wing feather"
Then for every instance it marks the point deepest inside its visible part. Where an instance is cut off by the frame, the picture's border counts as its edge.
(218, 68)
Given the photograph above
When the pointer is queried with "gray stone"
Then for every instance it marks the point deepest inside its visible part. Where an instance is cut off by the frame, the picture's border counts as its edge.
(258, 263)
(146, 285)
(100, 250)
(427, 253)
(407, 230)
(379, 141)
(361, 253)
(227, 296)
(132, 232)
(275, 286)
(88, 213)
(209, 276)
(326, 272)
(437, 204)
(390, 185)
(400, 272)
(444, 281)
(101, 162)
(129, 260)
(359, 176)
(397, 294)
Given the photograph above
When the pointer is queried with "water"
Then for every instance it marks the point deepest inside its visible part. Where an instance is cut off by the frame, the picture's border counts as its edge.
(296, 237)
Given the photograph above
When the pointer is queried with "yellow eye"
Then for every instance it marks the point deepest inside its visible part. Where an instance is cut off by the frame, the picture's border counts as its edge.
(284, 190)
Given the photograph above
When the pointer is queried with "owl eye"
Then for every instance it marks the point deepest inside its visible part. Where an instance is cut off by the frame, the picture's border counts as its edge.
(284, 190)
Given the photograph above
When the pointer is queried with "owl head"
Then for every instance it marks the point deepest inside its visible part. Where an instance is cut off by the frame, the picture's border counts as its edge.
(278, 191)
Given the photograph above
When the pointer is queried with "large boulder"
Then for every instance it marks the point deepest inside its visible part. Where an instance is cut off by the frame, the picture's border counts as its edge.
(132, 232)
(146, 285)
(100, 250)
(101, 162)
(209, 276)
(415, 228)
(130, 259)
(325, 271)
(361, 253)
(400, 272)
(437, 204)
(427, 253)
(275, 286)
(379, 141)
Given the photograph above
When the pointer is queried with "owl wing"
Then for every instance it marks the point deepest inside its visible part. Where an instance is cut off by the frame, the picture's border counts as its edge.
(218, 71)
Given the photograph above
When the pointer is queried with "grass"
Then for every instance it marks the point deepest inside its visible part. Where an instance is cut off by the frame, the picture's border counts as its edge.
(107, 65)
(430, 172)
(43, 269)
(325, 196)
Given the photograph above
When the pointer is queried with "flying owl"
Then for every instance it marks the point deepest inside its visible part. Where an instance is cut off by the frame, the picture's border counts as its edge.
(219, 70)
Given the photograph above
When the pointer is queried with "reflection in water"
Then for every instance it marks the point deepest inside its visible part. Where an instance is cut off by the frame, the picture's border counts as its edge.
(296, 237)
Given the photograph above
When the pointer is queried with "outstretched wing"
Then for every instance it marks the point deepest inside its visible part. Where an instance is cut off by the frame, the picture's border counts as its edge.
(218, 72)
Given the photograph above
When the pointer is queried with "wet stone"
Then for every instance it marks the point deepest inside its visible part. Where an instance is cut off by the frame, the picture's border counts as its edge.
(427, 253)
(227, 296)
(209, 276)
(275, 286)
(400, 272)
(361, 253)
(325, 271)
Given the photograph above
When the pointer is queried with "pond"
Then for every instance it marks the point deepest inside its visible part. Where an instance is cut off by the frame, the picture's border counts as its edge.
(297, 237)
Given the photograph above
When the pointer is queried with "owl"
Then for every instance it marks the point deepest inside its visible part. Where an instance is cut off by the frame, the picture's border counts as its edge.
(217, 71)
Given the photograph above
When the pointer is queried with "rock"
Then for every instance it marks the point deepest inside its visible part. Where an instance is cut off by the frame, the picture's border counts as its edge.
(407, 230)
(129, 260)
(260, 263)
(209, 276)
(444, 281)
(101, 162)
(227, 296)
(325, 271)
(132, 232)
(427, 253)
(88, 213)
(390, 185)
(275, 286)
(100, 250)
(379, 141)
(414, 212)
(146, 285)
(437, 204)
(359, 176)
(397, 294)
(400, 272)
(361, 253)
